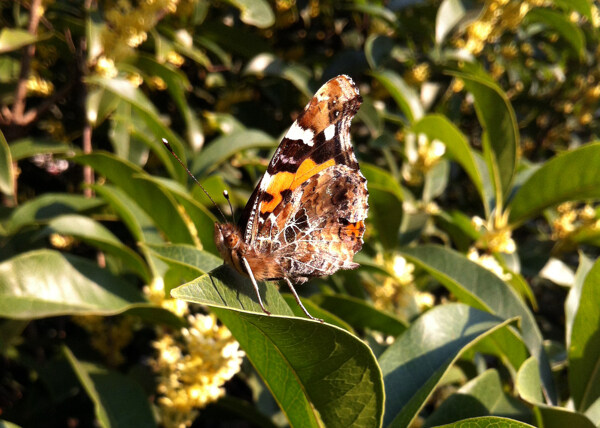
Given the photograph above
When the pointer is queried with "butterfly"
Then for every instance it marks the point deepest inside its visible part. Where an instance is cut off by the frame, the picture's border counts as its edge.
(306, 217)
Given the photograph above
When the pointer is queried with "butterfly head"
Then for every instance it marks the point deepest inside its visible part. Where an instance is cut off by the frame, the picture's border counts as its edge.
(228, 238)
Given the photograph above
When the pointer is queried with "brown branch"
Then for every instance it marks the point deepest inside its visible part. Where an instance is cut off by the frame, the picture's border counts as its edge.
(35, 14)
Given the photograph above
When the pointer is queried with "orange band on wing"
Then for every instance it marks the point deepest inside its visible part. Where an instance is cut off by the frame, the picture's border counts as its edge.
(290, 181)
(355, 229)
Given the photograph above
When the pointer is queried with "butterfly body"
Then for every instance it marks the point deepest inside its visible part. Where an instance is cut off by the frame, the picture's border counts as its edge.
(306, 216)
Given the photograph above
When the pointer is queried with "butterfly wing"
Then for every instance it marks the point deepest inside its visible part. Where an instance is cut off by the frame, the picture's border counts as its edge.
(318, 139)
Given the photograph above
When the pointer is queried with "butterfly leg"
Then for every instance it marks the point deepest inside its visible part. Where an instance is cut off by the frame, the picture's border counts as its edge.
(289, 283)
(251, 275)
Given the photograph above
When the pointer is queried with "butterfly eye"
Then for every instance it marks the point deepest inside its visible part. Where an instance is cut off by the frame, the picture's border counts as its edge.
(336, 113)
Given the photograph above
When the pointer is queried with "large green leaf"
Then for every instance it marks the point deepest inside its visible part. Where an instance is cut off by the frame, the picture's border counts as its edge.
(406, 97)
(449, 15)
(48, 206)
(255, 12)
(414, 365)
(28, 147)
(570, 176)
(118, 400)
(319, 374)
(501, 135)
(482, 396)
(574, 296)
(93, 233)
(482, 289)
(487, 422)
(14, 38)
(360, 314)
(584, 350)
(157, 203)
(186, 255)
(529, 388)
(226, 146)
(47, 283)
(7, 174)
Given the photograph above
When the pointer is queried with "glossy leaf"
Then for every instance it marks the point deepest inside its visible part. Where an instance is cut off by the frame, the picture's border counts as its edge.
(487, 422)
(584, 349)
(434, 341)
(7, 174)
(187, 256)
(480, 288)
(406, 97)
(14, 38)
(93, 233)
(360, 314)
(255, 12)
(226, 146)
(157, 203)
(47, 283)
(528, 386)
(570, 176)
(574, 296)
(28, 147)
(482, 396)
(48, 206)
(449, 15)
(118, 400)
(501, 135)
(319, 374)
(316, 311)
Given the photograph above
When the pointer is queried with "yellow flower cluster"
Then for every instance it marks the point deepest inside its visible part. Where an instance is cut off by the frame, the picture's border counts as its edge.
(192, 368)
(496, 235)
(572, 220)
(421, 155)
(156, 294)
(38, 86)
(497, 17)
(128, 24)
(105, 67)
(397, 293)
(490, 263)
(418, 74)
(108, 335)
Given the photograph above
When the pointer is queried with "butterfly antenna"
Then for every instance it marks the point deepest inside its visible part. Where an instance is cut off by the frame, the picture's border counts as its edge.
(168, 146)
(226, 195)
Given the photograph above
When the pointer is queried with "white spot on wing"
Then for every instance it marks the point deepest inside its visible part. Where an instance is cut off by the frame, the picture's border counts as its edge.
(264, 182)
(296, 132)
(329, 132)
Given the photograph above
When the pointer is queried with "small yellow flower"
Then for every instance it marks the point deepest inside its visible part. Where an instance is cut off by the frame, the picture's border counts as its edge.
(496, 235)
(105, 67)
(175, 59)
(61, 241)
(572, 220)
(38, 86)
(490, 263)
(157, 83)
(418, 74)
(155, 292)
(192, 367)
(135, 79)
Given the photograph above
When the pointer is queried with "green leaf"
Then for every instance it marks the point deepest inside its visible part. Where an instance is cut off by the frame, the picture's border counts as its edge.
(12, 39)
(574, 296)
(438, 127)
(319, 374)
(487, 422)
(46, 283)
(186, 255)
(93, 233)
(570, 176)
(584, 7)
(28, 147)
(414, 365)
(316, 311)
(584, 350)
(226, 146)
(528, 383)
(560, 23)
(48, 206)
(406, 97)
(385, 203)
(480, 288)
(118, 400)
(7, 174)
(501, 135)
(255, 12)
(482, 396)
(529, 388)
(360, 314)
(157, 203)
(378, 49)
